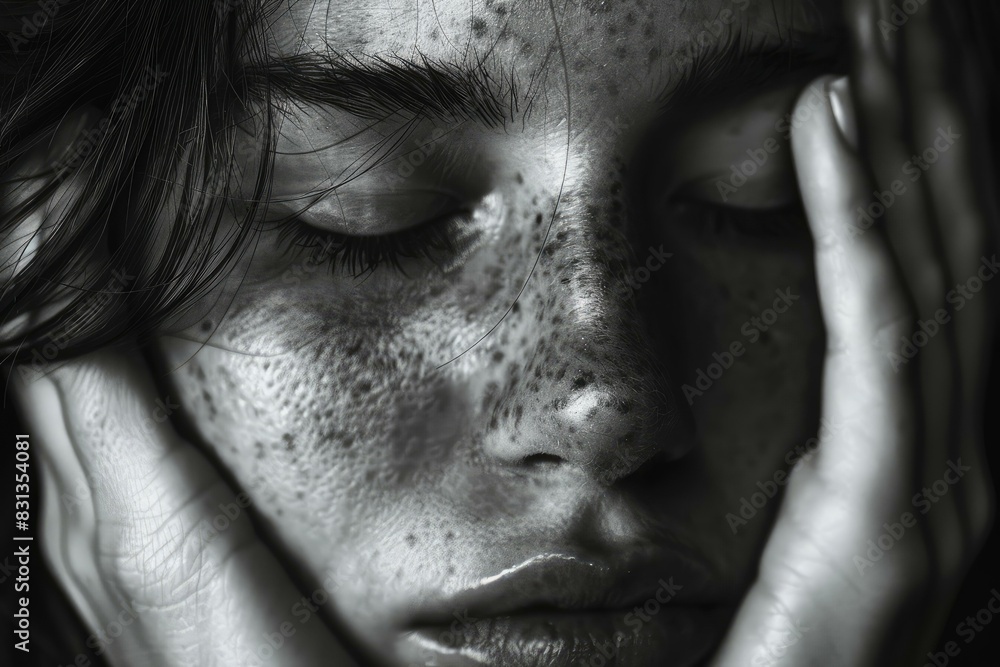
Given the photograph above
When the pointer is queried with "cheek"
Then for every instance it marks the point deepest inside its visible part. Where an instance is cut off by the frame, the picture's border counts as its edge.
(324, 449)
(748, 409)
(248, 410)
(329, 414)
(325, 383)
(320, 401)
(754, 406)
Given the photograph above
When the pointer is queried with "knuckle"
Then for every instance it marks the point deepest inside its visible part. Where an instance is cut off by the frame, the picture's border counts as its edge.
(155, 564)
(891, 324)
(160, 552)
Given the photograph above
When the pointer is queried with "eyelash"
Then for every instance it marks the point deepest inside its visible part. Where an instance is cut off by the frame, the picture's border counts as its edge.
(764, 223)
(713, 221)
(433, 239)
(361, 255)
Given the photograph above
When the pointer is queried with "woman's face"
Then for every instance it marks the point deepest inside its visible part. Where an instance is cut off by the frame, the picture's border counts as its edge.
(567, 426)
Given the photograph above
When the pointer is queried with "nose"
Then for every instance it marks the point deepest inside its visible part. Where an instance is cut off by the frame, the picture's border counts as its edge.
(584, 388)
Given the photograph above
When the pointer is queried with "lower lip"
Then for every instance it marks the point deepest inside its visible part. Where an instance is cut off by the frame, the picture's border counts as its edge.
(678, 636)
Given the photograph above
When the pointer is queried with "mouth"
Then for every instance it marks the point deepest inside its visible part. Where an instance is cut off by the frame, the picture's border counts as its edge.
(558, 610)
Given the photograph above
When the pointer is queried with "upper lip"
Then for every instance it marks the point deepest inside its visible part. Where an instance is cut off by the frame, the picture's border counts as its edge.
(562, 581)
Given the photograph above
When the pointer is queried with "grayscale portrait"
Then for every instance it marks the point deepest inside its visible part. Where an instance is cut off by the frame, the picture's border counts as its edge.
(506, 333)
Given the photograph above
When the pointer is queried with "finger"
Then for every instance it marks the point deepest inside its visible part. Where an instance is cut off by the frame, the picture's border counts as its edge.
(881, 110)
(67, 526)
(968, 243)
(810, 576)
(931, 65)
(189, 595)
(885, 109)
(863, 299)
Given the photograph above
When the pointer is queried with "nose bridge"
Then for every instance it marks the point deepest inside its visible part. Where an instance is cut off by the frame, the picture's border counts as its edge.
(587, 389)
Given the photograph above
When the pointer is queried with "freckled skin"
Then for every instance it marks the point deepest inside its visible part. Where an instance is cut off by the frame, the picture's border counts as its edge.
(322, 393)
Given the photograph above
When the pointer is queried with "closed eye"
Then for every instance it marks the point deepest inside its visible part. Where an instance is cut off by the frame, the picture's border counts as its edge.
(356, 256)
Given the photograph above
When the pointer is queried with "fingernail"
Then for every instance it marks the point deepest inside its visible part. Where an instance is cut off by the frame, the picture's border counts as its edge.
(843, 110)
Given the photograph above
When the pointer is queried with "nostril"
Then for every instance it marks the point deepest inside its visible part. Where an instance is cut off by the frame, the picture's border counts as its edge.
(542, 459)
(651, 474)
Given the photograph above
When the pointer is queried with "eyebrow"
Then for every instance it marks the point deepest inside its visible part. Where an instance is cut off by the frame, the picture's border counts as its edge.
(378, 87)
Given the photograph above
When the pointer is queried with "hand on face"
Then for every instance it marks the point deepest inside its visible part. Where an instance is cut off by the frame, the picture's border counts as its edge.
(879, 527)
(159, 556)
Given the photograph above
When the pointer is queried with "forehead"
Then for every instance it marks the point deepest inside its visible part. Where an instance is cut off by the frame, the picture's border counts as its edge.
(611, 46)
